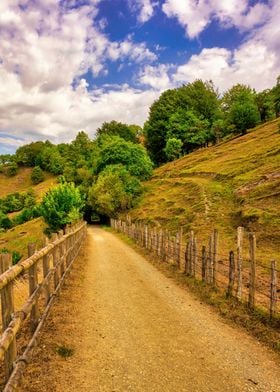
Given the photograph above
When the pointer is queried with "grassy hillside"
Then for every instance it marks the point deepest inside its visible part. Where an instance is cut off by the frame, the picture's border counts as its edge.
(18, 237)
(224, 186)
(22, 183)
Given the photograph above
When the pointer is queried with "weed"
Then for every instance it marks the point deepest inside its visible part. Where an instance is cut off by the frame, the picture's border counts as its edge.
(64, 351)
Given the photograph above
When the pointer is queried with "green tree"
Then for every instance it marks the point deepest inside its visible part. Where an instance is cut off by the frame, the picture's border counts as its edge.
(266, 105)
(28, 154)
(133, 156)
(173, 148)
(240, 108)
(114, 128)
(37, 175)
(61, 205)
(244, 115)
(115, 190)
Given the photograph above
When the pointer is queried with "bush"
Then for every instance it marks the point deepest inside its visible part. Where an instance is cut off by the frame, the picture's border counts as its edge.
(61, 205)
(37, 175)
(5, 221)
(16, 256)
(11, 170)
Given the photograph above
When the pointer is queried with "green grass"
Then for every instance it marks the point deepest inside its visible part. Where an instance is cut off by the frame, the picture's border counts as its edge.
(234, 183)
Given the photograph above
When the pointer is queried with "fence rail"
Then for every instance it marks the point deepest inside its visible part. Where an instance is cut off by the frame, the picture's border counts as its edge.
(45, 270)
(245, 279)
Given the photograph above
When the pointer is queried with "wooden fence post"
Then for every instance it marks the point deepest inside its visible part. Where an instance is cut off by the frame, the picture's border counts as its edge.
(240, 234)
(209, 261)
(33, 283)
(46, 269)
(252, 282)
(273, 290)
(231, 275)
(194, 251)
(56, 258)
(7, 307)
(203, 263)
(215, 252)
(180, 249)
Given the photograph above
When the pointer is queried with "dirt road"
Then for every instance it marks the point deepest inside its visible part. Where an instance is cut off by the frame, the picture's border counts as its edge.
(133, 329)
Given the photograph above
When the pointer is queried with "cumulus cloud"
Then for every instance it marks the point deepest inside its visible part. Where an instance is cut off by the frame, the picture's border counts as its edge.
(45, 49)
(143, 8)
(256, 62)
(156, 77)
(194, 16)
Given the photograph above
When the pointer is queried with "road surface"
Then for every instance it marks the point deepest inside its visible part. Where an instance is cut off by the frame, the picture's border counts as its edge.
(133, 329)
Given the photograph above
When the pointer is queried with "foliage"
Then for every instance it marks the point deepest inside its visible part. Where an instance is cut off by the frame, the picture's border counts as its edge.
(185, 113)
(5, 222)
(114, 128)
(16, 256)
(116, 190)
(16, 201)
(61, 205)
(244, 115)
(11, 169)
(133, 157)
(28, 154)
(37, 175)
(173, 148)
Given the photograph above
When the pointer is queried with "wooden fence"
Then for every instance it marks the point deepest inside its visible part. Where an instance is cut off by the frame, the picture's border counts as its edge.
(238, 276)
(45, 270)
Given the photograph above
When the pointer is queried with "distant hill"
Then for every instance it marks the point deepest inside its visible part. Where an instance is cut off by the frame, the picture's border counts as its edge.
(234, 183)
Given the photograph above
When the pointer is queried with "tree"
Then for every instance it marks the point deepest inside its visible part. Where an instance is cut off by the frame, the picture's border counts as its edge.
(244, 116)
(133, 156)
(156, 127)
(241, 111)
(28, 154)
(266, 105)
(115, 190)
(185, 113)
(37, 175)
(114, 128)
(173, 148)
(61, 205)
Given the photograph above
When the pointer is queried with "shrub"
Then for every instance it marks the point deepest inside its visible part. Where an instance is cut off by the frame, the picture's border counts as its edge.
(11, 170)
(5, 221)
(61, 205)
(16, 256)
(37, 175)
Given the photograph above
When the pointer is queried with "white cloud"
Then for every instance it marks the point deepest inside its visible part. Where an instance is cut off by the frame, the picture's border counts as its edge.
(143, 8)
(156, 77)
(195, 15)
(45, 48)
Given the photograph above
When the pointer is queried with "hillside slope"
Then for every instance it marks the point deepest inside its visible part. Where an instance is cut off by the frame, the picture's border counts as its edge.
(17, 238)
(224, 186)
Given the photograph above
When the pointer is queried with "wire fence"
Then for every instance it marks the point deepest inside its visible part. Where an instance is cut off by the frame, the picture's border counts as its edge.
(242, 277)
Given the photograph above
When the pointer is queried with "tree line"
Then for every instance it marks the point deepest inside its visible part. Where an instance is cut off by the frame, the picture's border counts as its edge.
(103, 176)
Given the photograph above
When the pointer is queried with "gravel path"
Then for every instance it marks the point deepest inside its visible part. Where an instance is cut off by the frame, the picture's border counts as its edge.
(141, 332)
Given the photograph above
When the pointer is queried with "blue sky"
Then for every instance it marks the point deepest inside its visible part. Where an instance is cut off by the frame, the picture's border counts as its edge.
(71, 65)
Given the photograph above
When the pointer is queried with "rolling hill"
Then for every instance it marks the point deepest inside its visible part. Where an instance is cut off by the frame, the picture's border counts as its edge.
(235, 183)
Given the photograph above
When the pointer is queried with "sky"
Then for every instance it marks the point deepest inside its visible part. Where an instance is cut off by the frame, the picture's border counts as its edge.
(71, 65)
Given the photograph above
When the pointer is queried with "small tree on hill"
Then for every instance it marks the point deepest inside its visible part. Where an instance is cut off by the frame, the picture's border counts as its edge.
(62, 205)
(37, 175)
